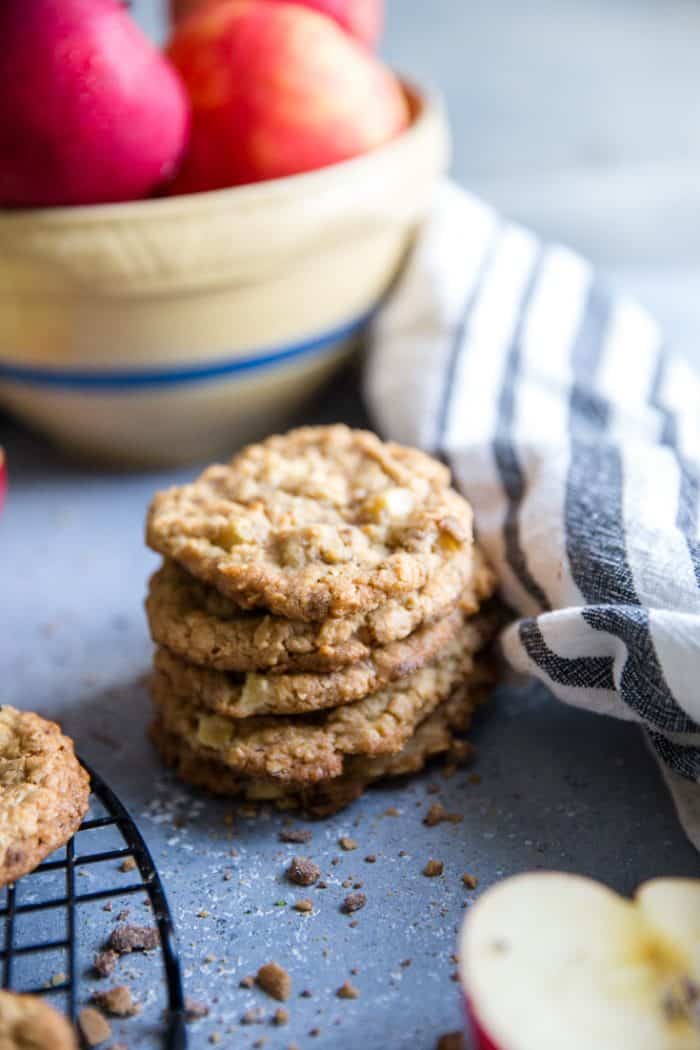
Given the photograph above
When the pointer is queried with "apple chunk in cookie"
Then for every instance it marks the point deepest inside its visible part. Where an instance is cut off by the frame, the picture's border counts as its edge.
(551, 961)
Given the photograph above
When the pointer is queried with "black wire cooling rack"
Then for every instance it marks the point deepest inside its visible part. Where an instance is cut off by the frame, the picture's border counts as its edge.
(67, 906)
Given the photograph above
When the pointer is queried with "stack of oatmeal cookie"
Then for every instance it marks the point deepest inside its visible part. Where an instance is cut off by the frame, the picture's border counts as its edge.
(316, 618)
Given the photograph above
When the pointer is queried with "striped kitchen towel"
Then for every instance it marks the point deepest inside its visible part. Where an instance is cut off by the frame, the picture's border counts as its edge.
(576, 436)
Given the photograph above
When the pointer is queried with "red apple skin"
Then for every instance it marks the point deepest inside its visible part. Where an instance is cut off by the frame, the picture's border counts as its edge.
(480, 1039)
(277, 89)
(363, 19)
(90, 111)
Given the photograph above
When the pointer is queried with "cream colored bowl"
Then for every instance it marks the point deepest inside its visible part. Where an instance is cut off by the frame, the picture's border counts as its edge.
(171, 330)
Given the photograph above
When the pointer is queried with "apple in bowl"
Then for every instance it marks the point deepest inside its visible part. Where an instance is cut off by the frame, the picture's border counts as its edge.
(363, 19)
(277, 89)
(551, 961)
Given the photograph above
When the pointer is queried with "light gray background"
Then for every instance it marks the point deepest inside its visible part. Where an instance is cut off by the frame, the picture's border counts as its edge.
(580, 118)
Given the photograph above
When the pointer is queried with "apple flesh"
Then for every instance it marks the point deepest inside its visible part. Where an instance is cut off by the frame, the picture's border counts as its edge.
(363, 19)
(277, 89)
(559, 962)
(90, 111)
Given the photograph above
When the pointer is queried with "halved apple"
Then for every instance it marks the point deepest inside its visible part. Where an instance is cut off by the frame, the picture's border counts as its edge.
(551, 961)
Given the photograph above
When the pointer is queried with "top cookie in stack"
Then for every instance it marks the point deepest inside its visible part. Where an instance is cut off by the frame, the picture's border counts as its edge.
(316, 608)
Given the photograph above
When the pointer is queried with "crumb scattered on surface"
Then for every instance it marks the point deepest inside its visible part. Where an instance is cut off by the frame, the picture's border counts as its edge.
(123, 915)
(104, 962)
(117, 1001)
(313, 1032)
(450, 1041)
(470, 881)
(353, 902)
(246, 982)
(94, 1026)
(128, 864)
(348, 991)
(304, 905)
(195, 1010)
(433, 868)
(306, 993)
(215, 1038)
(298, 835)
(131, 938)
(58, 978)
(107, 906)
(406, 962)
(259, 1043)
(303, 872)
(275, 980)
(280, 1016)
(437, 814)
(255, 1015)
(322, 885)
(392, 811)
(371, 858)
(347, 843)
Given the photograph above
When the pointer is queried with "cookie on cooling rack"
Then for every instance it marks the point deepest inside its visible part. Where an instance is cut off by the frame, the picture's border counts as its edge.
(27, 1022)
(44, 792)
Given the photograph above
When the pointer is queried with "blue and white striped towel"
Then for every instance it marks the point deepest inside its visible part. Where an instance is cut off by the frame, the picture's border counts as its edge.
(576, 436)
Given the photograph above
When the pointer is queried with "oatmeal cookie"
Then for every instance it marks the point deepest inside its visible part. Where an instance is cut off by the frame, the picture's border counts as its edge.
(307, 748)
(319, 522)
(203, 626)
(434, 736)
(28, 1023)
(244, 696)
(44, 791)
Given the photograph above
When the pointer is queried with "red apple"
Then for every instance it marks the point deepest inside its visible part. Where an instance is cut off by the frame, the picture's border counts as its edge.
(3, 479)
(89, 109)
(277, 89)
(364, 19)
(559, 962)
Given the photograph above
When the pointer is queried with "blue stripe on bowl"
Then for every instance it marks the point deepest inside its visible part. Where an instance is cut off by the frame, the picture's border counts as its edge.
(98, 379)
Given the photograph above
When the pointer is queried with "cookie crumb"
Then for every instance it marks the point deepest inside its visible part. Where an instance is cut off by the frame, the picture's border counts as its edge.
(215, 1038)
(303, 872)
(353, 902)
(104, 962)
(275, 980)
(58, 978)
(130, 938)
(95, 1027)
(123, 915)
(107, 906)
(321, 885)
(437, 814)
(253, 1016)
(117, 1001)
(470, 881)
(304, 905)
(392, 811)
(128, 864)
(348, 991)
(259, 1043)
(306, 993)
(280, 1016)
(228, 875)
(371, 858)
(246, 982)
(313, 1032)
(195, 1010)
(347, 843)
(433, 868)
(450, 1041)
(297, 835)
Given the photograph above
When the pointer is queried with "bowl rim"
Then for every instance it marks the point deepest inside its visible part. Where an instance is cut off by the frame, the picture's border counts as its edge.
(426, 101)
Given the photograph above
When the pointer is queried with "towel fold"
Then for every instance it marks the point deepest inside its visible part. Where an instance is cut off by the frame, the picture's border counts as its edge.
(576, 435)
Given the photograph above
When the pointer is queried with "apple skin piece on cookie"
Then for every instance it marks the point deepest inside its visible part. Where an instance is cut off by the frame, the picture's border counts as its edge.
(551, 961)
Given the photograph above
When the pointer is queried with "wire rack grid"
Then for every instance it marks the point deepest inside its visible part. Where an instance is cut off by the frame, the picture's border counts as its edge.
(174, 1035)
